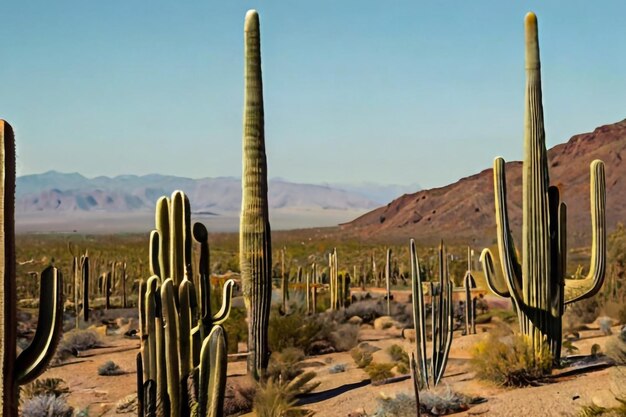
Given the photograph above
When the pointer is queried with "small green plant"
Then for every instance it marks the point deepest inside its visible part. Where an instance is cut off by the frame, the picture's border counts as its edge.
(362, 358)
(398, 354)
(510, 361)
(379, 371)
(109, 368)
(596, 350)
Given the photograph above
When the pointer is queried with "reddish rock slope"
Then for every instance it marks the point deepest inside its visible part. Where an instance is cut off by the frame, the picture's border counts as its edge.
(464, 211)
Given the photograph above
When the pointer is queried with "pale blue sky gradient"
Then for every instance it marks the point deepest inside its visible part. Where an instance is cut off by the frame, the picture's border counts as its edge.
(390, 92)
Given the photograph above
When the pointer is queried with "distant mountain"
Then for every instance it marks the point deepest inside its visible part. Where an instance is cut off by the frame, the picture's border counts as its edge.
(380, 193)
(58, 192)
(464, 210)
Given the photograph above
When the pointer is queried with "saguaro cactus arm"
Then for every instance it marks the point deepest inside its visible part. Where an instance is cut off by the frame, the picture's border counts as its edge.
(578, 289)
(213, 362)
(36, 357)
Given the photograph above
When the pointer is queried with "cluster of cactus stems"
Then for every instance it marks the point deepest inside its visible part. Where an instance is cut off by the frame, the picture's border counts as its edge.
(255, 247)
(284, 286)
(31, 362)
(537, 286)
(183, 345)
(442, 315)
(469, 283)
(333, 272)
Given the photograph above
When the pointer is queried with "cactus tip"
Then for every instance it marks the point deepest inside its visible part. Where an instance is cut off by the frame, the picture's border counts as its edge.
(252, 20)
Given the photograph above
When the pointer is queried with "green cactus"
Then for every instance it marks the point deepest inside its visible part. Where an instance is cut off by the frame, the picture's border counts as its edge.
(255, 247)
(470, 303)
(537, 286)
(173, 328)
(84, 268)
(22, 369)
(442, 314)
(335, 290)
(387, 281)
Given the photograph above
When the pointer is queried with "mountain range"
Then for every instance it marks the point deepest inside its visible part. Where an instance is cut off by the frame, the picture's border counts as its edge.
(464, 210)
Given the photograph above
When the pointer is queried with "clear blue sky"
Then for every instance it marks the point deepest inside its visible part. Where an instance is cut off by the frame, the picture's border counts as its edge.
(391, 92)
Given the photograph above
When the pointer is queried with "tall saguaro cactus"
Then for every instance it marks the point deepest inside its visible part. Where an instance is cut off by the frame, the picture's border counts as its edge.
(255, 247)
(28, 365)
(538, 286)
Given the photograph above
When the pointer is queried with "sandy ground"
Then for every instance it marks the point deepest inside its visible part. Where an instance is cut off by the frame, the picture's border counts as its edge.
(342, 393)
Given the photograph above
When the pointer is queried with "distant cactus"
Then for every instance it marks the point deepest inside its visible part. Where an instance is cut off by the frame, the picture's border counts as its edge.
(431, 371)
(22, 369)
(387, 281)
(537, 286)
(255, 247)
(470, 303)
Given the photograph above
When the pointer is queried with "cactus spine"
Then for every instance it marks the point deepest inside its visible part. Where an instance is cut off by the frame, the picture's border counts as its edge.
(431, 371)
(537, 286)
(22, 369)
(178, 338)
(254, 233)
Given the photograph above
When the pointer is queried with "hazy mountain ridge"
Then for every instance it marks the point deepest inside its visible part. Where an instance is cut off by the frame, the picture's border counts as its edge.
(60, 192)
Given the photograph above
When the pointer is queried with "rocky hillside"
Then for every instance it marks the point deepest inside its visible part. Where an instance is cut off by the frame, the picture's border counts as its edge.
(464, 211)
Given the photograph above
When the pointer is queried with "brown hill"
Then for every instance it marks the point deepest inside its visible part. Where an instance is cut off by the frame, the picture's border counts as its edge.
(464, 211)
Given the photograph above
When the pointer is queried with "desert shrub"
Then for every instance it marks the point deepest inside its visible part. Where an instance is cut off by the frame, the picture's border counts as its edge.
(445, 401)
(45, 386)
(278, 398)
(127, 404)
(345, 337)
(238, 398)
(616, 347)
(297, 330)
(398, 354)
(379, 371)
(46, 406)
(286, 364)
(507, 316)
(402, 405)
(509, 361)
(337, 368)
(569, 347)
(596, 411)
(580, 313)
(109, 368)
(368, 310)
(362, 358)
(75, 341)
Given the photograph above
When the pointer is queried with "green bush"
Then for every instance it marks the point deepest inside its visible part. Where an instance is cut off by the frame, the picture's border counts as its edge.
(509, 362)
(285, 365)
(278, 398)
(379, 371)
(362, 358)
